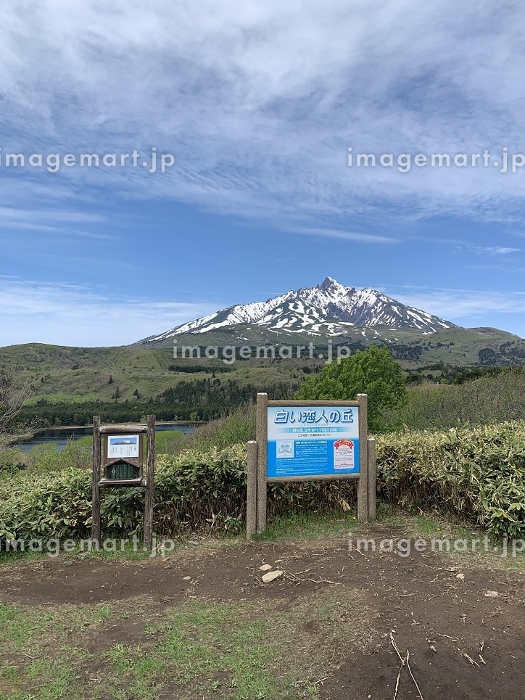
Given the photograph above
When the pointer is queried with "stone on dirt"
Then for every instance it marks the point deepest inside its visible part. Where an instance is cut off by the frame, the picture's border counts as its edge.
(271, 576)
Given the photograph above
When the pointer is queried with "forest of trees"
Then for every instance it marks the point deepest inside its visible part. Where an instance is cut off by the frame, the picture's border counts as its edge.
(201, 400)
(212, 397)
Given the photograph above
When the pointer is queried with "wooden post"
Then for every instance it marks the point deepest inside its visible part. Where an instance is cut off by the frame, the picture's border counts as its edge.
(362, 486)
(150, 484)
(262, 447)
(251, 490)
(372, 476)
(95, 489)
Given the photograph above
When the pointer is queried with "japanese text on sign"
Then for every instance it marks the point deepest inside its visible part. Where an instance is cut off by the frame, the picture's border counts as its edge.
(309, 441)
(313, 416)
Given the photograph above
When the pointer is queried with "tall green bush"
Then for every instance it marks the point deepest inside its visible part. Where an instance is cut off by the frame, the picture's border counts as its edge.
(372, 371)
(477, 473)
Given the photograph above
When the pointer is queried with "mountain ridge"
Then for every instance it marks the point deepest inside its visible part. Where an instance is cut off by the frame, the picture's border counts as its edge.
(327, 309)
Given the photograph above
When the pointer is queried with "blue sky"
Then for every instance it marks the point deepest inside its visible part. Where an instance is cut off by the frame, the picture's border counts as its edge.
(259, 103)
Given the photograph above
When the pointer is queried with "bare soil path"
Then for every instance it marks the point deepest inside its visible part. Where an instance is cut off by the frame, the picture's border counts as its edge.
(461, 620)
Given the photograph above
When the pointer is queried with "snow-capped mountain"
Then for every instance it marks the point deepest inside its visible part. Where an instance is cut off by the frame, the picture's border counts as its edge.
(329, 308)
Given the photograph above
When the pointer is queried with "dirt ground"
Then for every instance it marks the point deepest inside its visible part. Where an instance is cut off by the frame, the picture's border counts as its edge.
(462, 643)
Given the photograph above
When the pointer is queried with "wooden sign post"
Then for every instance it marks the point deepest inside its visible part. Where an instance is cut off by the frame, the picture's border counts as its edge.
(310, 440)
(119, 451)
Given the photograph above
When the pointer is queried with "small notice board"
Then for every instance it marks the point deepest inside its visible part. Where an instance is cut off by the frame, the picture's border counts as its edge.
(123, 446)
(118, 461)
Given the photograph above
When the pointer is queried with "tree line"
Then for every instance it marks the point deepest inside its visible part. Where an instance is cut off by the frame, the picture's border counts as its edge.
(200, 400)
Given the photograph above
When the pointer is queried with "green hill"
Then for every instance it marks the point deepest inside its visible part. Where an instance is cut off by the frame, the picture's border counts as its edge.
(144, 374)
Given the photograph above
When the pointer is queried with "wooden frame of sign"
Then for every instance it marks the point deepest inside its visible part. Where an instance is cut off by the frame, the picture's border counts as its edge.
(119, 450)
(257, 462)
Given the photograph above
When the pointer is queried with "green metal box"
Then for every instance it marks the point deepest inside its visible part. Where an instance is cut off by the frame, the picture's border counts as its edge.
(122, 470)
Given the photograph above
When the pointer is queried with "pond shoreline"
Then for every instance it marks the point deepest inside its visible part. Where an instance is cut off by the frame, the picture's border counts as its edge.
(16, 441)
(90, 425)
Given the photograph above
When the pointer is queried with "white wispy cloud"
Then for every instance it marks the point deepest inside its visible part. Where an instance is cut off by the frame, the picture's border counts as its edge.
(458, 304)
(75, 315)
(259, 102)
(498, 250)
(485, 250)
(345, 235)
(60, 221)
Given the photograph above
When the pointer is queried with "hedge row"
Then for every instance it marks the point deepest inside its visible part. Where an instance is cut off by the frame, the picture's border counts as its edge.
(477, 473)
(193, 490)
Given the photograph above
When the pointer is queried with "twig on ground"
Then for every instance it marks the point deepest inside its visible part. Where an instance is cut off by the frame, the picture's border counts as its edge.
(474, 663)
(454, 639)
(313, 580)
(412, 675)
(404, 662)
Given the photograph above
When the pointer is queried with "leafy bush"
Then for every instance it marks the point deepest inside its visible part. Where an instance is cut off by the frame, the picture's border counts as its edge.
(478, 474)
(53, 505)
(193, 490)
(484, 400)
(372, 371)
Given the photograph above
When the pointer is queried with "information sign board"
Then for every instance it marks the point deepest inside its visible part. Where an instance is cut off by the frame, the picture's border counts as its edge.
(118, 461)
(312, 441)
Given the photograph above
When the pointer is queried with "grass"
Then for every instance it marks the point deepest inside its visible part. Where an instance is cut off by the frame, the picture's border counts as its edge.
(240, 651)
(224, 432)
(36, 650)
(306, 526)
(489, 399)
(77, 375)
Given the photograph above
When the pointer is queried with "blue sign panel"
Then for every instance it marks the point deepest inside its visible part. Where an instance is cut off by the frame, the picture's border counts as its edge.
(312, 441)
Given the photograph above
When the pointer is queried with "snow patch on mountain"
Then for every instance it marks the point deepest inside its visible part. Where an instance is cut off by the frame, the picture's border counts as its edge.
(328, 308)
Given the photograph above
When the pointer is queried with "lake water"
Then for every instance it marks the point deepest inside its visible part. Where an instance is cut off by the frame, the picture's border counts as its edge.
(61, 436)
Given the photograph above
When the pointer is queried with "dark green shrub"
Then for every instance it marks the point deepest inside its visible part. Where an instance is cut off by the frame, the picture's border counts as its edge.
(477, 474)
